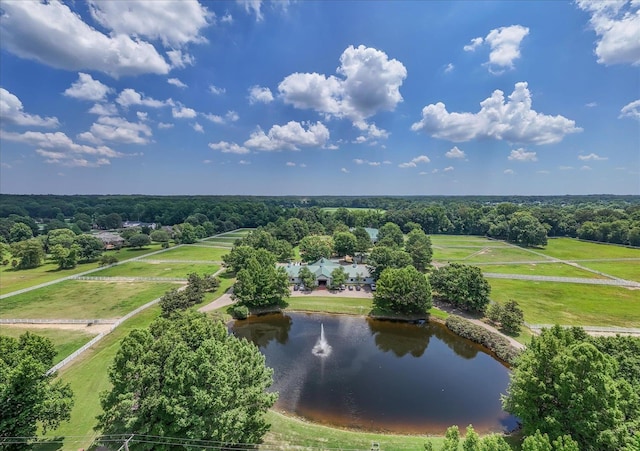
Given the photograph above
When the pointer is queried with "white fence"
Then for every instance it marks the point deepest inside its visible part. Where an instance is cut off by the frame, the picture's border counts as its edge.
(57, 321)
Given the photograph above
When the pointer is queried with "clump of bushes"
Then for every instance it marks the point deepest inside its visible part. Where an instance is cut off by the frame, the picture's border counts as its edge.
(240, 311)
(106, 260)
(478, 334)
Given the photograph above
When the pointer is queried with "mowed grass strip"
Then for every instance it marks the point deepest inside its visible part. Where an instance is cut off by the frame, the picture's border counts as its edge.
(508, 254)
(14, 280)
(215, 244)
(443, 254)
(629, 270)
(153, 269)
(88, 376)
(330, 304)
(187, 252)
(74, 299)
(464, 240)
(572, 249)
(569, 303)
(65, 341)
(542, 269)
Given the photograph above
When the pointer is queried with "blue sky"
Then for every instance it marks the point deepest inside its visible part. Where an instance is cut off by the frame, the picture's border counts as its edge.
(320, 97)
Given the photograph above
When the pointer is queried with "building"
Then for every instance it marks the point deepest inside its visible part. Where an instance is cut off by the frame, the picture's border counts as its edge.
(111, 240)
(323, 268)
(373, 233)
(128, 224)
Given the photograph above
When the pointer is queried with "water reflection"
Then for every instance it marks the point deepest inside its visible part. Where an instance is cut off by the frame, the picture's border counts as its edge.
(380, 375)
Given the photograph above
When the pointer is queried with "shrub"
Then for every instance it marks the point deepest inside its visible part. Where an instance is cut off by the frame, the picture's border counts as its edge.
(478, 334)
(106, 260)
(240, 312)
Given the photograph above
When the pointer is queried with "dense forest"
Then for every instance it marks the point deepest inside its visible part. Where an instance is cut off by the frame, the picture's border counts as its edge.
(606, 218)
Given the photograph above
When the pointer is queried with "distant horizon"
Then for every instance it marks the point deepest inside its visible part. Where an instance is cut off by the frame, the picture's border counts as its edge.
(382, 98)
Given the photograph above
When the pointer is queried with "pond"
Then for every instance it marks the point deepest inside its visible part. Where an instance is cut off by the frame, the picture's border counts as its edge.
(379, 375)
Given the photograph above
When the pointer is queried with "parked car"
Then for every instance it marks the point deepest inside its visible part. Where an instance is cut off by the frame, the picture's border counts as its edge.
(357, 287)
(342, 287)
(296, 288)
(373, 287)
(350, 287)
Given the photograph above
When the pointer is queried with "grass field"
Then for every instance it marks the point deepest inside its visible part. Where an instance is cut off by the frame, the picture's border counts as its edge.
(629, 270)
(13, 280)
(330, 304)
(145, 269)
(571, 249)
(542, 269)
(482, 255)
(571, 304)
(192, 253)
(216, 244)
(74, 299)
(64, 341)
(464, 240)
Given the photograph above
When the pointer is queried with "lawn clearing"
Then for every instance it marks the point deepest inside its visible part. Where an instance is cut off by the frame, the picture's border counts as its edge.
(570, 304)
(215, 244)
(14, 280)
(629, 270)
(330, 304)
(129, 252)
(74, 299)
(88, 376)
(222, 241)
(443, 254)
(464, 240)
(187, 252)
(226, 280)
(64, 341)
(507, 254)
(147, 269)
(541, 269)
(572, 249)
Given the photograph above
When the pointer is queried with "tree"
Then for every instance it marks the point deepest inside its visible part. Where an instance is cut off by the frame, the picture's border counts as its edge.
(383, 257)
(177, 300)
(260, 283)
(344, 243)
(238, 257)
(66, 258)
(418, 246)
(187, 377)
(20, 232)
(307, 278)
(313, 248)
(451, 439)
(30, 252)
(526, 230)
(139, 240)
(512, 317)
(90, 247)
(405, 291)
(187, 233)
(30, 398)
(363, 240)
(391, 233)
(461, 285)
(62, 237)
(160, 236)
(563, 384)
(541, 442)
(338, 278)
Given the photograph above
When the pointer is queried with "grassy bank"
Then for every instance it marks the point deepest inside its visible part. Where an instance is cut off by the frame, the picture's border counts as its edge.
(64, 341)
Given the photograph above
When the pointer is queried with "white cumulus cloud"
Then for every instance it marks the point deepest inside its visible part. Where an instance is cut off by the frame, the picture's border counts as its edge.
(512, 120)
(505, 46)
(448, 169)
(182, 112)
(117, 129)
(522, 155)
(86, 88)
(176, 82)
(632, 110)
(415, 161)
(216, 91)
(104, 109)
(259, 94)
(197, 127)
(129, 97)
(231, 116)
(370, 83)
(454, 152)
(12, 112)
(227, 147)
(290, 136)
(617, 24)
(344, 170)
(52, 34)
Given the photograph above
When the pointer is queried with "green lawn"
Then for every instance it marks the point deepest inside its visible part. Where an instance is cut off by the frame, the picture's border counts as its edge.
(129, 252)
(146, 269)
(75, 299)
(228, 245)
(88, 378)
(571, 249)
(330, 304)
(64, 341)
(226, 280)
(443, 254)
(542, 269)
(464, 240)
(571, 304)
(14, 280)
(192, 253)
(629, 270)
(507, 254)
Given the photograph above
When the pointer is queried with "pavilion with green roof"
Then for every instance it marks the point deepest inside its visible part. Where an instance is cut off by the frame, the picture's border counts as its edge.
(323, 268)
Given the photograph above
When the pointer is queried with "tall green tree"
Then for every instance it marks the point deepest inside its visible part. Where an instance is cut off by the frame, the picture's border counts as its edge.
(338, 278)
(383, 257)
(405, 291)
(90, 247)
(66, 258)
(344, 243)
(461, 285)
(139, 240)
(20, 232)
(312, 248)
(307, 278)
(187, 377)
(563, 384)
(541, 442)
(526, 230)
(62, 237)
(29, 398)
(390, 234)
(418, 245)
(260, 283)
(30, 252)
(363, 240)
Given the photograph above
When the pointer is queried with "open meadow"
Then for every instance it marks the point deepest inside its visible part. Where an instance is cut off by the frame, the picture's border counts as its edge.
(157, 269)
(197, 253)
(75, 299)
(65, 341)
